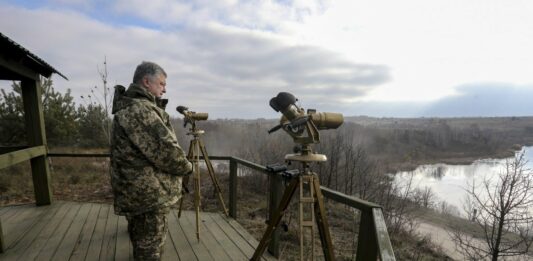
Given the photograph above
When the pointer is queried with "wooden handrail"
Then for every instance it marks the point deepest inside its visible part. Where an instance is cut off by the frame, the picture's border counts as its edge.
(17, 156)
(373, 238)
(2, 244)
(351, 201)
(80, 155)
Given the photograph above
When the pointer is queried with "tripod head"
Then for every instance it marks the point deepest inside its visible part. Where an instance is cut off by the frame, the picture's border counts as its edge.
(303, 126)
(190, 117)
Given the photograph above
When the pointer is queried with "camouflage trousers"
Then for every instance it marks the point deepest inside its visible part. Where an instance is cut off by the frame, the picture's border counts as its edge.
(147, 234)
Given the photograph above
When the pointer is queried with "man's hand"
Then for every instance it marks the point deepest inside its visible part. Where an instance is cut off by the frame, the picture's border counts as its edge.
(191, 168)
(185, 188)
(185, 182)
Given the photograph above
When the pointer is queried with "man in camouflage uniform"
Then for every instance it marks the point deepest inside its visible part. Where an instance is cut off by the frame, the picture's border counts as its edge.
(147, 163)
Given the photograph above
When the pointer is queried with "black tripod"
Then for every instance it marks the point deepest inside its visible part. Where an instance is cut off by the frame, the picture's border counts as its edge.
(311, 209)
(195, 148)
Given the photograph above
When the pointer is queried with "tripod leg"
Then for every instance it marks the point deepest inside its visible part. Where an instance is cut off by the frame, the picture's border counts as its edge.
(181, 205)
(275, 219)
(196, 155)
(307, 217)
(211, 172)
(322, 221)
(185, 180)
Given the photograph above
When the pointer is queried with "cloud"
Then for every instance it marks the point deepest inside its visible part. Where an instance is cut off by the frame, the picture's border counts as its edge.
(254, 14)
(485, 99)
(227, 71)
(471, 100)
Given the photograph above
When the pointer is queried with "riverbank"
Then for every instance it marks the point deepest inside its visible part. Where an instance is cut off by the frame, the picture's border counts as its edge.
(459, 158)
(436, 227)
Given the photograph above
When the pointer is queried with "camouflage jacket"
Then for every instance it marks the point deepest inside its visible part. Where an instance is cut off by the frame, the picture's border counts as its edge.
(146, 160)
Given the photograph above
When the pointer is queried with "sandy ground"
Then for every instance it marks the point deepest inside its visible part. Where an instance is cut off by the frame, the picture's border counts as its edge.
(440, 237)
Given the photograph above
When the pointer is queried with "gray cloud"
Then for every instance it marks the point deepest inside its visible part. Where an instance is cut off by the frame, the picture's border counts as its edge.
(485, 99)
(226, 71)
(472, 100)
(251, 14)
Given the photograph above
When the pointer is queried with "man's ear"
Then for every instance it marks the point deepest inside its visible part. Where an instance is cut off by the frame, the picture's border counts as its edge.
(145, 81)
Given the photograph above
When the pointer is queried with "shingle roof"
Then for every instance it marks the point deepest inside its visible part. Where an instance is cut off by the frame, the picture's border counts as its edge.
(15, 51)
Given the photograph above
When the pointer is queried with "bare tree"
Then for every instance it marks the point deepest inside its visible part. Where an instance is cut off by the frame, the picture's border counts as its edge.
(107, 103)
(502, 212)
(424, 197)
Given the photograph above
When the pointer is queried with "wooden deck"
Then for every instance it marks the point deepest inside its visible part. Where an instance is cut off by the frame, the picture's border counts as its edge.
(90, 231)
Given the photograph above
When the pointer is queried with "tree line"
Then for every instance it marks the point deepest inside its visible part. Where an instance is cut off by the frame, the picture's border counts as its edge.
(66, 123)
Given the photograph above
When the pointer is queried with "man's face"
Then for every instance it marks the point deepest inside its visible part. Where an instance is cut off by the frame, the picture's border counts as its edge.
(156, 85)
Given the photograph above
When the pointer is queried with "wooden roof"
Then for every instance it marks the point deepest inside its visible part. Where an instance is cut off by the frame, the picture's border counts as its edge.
(14, 54)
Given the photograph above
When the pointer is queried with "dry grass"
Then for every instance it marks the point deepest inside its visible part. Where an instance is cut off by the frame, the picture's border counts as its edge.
(15, 185)
(73, 179)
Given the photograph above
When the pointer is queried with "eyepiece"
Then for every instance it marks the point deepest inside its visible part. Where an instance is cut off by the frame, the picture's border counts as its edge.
(181, 109)
(282, 101)
(191, 115)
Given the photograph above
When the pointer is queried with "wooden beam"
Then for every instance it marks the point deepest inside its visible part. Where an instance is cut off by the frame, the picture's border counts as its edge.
(80, 155)
(384, 245)
(19, 69)
(357, 203)
(367, 248)
(14, 157)
(233, 188)
(33, 112)
(276, 191)
(2, 244)
(251, 165)
(8, 75)
(11, 149)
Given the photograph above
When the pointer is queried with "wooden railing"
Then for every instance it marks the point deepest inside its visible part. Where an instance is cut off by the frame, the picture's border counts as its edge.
(373, 238)
(10, 156)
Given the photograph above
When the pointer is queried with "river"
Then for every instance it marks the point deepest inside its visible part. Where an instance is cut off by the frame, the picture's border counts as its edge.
(448, 182)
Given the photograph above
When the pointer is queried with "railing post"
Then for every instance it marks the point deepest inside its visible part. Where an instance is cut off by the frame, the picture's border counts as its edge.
(367, 241)
(276, 191)
(233, 188)
(2, 247)
(382, 236)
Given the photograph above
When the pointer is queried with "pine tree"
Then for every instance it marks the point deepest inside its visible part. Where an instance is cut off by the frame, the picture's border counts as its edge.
(60, 115)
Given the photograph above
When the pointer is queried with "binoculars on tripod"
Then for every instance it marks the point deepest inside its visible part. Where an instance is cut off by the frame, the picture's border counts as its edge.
(191, 116)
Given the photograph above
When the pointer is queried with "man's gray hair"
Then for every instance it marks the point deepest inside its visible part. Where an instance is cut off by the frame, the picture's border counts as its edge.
(149, 69)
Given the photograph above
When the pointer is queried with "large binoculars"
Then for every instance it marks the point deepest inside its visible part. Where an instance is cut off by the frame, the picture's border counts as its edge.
(191, 115)
(294, 116)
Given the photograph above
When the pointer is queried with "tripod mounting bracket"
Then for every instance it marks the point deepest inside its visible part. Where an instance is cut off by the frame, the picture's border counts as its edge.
(281, 169)
(195, 132)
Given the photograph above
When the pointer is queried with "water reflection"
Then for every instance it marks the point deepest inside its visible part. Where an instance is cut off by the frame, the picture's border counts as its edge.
(438, 172)
(449, 182)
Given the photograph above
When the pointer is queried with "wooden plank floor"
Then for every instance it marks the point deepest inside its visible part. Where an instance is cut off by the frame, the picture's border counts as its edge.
(91, 231)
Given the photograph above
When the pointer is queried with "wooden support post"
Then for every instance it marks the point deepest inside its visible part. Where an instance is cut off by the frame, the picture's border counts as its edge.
(233, 188)
(276, 191)
(382, 236)
(2, 247)
(33, 112)
(367, 241)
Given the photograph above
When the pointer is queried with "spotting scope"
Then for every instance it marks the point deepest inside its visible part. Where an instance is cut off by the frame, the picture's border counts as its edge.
(191, 116)
(296, 121)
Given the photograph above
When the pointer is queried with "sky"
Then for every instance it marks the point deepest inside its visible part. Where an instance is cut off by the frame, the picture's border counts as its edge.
(411, 58)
